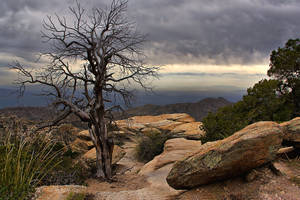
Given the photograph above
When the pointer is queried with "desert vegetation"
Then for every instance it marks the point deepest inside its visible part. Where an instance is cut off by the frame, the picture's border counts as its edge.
(150, 145)
(142, 156)
(274, 99)
(24, 163)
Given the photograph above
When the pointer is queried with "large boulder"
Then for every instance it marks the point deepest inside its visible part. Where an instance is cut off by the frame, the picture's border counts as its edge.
(246, 149)
(292, 131)
(157, 170)
(174, 150)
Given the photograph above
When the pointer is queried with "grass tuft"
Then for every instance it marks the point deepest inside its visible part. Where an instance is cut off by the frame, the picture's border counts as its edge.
(23, 165)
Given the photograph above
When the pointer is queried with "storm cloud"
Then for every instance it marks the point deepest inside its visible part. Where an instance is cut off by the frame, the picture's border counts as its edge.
(179, 31)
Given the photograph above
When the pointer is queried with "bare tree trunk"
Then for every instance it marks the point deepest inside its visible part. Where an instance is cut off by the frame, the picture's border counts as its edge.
(104, 150)
(103, 145)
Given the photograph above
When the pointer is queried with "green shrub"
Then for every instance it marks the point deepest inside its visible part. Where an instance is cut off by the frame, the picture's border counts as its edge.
(23, 164)
(263, 102)
(76, 196)
(150, 145)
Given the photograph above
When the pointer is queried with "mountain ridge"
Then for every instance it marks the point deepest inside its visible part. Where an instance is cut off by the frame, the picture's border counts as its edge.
(198, 110)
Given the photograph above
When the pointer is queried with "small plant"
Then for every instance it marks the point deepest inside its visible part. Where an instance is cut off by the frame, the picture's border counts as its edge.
(151, 145)
(76, 196)
(23, 164)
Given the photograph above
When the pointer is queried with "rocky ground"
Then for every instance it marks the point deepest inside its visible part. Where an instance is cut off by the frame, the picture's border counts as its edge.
(244, 166)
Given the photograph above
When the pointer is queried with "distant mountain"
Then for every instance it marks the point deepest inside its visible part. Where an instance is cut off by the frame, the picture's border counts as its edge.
(197, 110)
(11, 98)
(29, 113)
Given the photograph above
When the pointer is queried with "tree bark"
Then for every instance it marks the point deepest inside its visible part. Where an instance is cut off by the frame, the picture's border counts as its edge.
(103, 144)
(104, 150)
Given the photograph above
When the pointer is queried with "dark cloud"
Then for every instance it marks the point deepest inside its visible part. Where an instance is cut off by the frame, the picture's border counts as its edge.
(180, 31)
(230, 32)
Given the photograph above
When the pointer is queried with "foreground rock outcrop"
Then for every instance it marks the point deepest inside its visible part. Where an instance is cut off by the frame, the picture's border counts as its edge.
(156, 171)
(57, 192)
(247, 149)
(174, 150)
(187, 164)
(292, 132)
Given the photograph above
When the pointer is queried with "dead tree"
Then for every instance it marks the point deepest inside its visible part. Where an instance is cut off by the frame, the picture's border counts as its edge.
(92, 60)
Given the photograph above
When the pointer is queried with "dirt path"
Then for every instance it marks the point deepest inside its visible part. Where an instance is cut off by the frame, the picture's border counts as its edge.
(127, 184)
(265, 186)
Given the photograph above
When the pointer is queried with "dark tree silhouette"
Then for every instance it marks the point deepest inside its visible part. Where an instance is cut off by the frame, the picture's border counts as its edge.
(285, 67)
(109, 49)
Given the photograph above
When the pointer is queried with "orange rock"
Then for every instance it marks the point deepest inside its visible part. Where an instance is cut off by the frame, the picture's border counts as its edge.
(90, 156)
(174, 150)
(292, 130)
(246, 149)
(58, 192)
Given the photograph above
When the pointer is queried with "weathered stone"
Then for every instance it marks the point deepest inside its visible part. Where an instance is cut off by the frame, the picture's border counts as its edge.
(292, 130)
(165, 121)
(81, 146)
(58, 192)
(150, 129)
(84, 135)
(90, 156)
(157, 170)
(164, 124)
(174, 150)
(190, 130)
(246, 149)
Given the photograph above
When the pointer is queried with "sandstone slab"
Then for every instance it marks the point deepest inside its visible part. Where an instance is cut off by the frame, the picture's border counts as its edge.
(246, 149)
(58, 192)
(157, 170)
(190, 130)
(292, 130)
(174, 150)
(84, 135)
(90, 156)
(81, 146)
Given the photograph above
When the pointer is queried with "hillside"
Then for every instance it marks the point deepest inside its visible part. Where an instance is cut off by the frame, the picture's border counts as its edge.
(197, 110)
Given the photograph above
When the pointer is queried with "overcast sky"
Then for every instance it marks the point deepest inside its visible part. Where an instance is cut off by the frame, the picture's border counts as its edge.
(199, 43)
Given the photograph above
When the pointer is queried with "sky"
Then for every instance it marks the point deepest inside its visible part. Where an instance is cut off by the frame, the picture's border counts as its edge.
(201, 45)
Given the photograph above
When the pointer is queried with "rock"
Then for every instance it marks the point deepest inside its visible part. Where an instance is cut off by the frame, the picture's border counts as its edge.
(58, 192)
(164, 124)
(81, 146)
(90, 156)
(84, 135)
(292, 131)
(174, 150)
(149, 129)
(190, 130)
(157, 170)
(165, 121)
(287, 169)
(180, 124)
(251, 176)
(246, 149)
